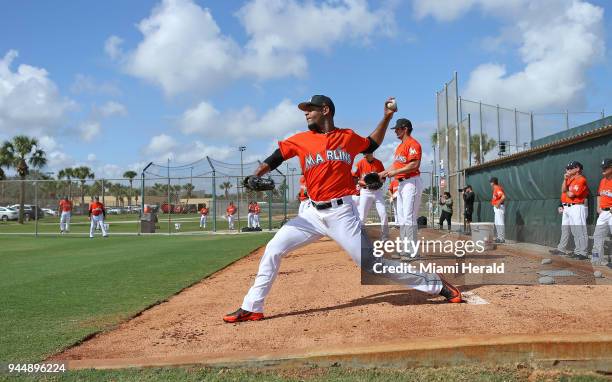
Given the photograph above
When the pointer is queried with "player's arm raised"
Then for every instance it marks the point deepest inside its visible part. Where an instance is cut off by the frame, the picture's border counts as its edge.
(378, 135)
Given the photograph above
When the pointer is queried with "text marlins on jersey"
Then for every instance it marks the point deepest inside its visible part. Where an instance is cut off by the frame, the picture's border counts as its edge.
(337, 154)
(432, 267)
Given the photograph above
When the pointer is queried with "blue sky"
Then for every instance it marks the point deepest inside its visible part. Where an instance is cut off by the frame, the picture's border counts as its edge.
(114, 85)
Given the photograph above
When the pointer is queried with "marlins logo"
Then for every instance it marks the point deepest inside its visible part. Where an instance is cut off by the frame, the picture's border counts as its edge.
(412, 151)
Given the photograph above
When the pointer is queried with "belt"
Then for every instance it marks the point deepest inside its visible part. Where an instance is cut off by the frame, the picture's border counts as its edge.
(406, 178)
(326, 205)
(606, 209)
(572, 204)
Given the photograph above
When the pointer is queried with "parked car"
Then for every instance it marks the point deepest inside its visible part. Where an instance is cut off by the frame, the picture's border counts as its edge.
(113, 211)
(49, 211)
(30, 212)
(7, 214)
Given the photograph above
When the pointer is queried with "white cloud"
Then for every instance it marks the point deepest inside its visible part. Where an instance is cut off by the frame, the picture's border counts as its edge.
(87, 84)
(241, 125)
(183, 48)
(89, 130)
(556, 51)
(57, 160)
(91, 157)
(47, 143)
(112, 47)
(29, 101)
(160, 144)
(111, 109)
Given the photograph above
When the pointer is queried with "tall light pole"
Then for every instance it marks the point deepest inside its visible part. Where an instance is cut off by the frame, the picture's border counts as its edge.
(241, 149)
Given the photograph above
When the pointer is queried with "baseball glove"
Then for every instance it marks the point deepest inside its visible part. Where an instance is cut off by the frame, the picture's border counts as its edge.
(372, 181)
(257, 183)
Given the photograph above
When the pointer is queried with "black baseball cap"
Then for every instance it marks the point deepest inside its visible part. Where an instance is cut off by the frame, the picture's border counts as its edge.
(494, 180)
(574, 164)
(606, 163)
(319, 101)
(402, 123)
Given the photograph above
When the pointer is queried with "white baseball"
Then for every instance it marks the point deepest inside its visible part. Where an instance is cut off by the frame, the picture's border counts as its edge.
(392, 105)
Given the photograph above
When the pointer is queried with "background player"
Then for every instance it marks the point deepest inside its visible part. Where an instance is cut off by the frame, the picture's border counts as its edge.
(303, 195)
(405, 169)
(97, 213)
(203, 216)
(574, 191)
(230, 214)
(326, 156)
(256, 211)
(499, 209)
(250, 216)
(367, 196)
(65, 211)
(604, 221)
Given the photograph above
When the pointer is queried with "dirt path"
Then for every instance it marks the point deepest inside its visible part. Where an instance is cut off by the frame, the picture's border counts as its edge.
(317, 302)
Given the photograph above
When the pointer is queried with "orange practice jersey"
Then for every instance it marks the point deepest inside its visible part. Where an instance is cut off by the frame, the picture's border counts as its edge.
(326, 160)
(605, 193)
(65, 205)
(251, 208)
(364, 167)
(408, 151)
(578, 186)
(96, 208)
(256, 208)
(204, 211)
(498, 193)
(231, 210)
(393, 186)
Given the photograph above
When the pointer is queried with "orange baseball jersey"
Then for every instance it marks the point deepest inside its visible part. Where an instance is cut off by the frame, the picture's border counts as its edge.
(96, 208)
(326, 160)
(393, 186)
(605, 193)
(65, 205)
(204, 211)
(407, 151)
(251, 208)
(231, 210)
(498, 193)
(364, 167)
(256, 208)
(577, 185)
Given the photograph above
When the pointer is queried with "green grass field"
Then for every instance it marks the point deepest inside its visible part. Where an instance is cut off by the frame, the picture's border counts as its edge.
(128, 223)
(57, 290)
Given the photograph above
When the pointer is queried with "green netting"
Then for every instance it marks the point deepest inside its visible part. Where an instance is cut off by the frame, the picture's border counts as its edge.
(533, 186)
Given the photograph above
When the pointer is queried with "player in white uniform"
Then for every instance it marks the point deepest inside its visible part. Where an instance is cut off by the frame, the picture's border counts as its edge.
(203, 216)
(405, 169)
(326, 156)
(367, 197)
(97, 213)
(65, 210)
(250, 214)
(603, 226)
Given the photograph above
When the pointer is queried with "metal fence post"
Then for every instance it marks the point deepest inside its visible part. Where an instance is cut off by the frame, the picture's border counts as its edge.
(531, 128)
(35, 184)
(448, 169)
(498, 130)
(481, 132)
(469, 140)
(238, 197)
(516, 131)
(567, 119)
(286, 196)
(270, 210)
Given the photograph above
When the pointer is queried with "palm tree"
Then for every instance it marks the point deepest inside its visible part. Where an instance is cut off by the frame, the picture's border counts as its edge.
(130, 175)
(188, 191)
(488, 144)
(2, 177)
(226, 187)
(67, 173)
(20, 152)
(82, 173)
(160, 189)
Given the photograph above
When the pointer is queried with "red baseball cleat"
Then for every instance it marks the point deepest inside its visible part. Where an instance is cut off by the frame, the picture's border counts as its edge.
(452, 294)
(242, 315)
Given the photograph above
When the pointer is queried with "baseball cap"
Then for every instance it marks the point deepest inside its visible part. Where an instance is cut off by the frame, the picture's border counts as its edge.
(606, 163)
(574, 164)
(493, 180)
(402, 123)
(318, 100)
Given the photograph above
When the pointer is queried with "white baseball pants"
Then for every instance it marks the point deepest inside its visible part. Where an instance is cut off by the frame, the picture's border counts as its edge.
(500, 225)
(408, 203)
(65, 221)
(203, 221)
(256, 220)
(602, 229)
(230, 221)
(303, 205)
(341, 223)
(366, 199)
(95, 221)
(573, 221)
(250, 222)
